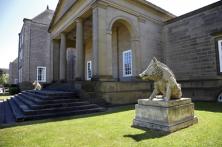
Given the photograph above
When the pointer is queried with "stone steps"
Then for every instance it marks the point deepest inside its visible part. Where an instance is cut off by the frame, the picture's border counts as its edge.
(34, 105)
(9, 116)
(40, 100)
(50, 96)
(16, 111)
(1, 112)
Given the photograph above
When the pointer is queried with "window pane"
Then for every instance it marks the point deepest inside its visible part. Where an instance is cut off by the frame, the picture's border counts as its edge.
(127, 63)
(41, 74)
(89, 70)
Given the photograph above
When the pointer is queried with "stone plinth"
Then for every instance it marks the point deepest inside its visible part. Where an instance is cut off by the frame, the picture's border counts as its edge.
(168, 116)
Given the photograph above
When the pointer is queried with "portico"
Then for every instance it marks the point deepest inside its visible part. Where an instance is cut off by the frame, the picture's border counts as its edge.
(109, 39)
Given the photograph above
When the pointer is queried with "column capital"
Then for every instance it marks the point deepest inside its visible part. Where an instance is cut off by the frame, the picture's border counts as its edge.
(62, 36)
(100, 4)
(79, 20)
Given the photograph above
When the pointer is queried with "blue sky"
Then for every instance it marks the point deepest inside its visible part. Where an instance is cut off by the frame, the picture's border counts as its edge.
(13, 12)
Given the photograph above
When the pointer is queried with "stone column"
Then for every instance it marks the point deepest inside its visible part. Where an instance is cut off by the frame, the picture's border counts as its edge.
(55, 60)
(51, 60)
(80, 51)
(136, 55)
(102, 51)
(62, 68)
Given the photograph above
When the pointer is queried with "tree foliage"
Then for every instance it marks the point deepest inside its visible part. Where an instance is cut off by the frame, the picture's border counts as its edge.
(4, 78)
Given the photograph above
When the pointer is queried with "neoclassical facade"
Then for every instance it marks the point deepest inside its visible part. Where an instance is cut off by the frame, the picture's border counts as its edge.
(102, 32)
(114, 40)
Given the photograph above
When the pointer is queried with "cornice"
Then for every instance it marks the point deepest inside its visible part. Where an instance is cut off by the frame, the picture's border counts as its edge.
(131, 11)
(100, 4)
(73, 18)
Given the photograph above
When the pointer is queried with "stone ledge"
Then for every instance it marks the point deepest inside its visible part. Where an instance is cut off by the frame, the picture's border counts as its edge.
(162, 103)
(166, 123)
(171, 128)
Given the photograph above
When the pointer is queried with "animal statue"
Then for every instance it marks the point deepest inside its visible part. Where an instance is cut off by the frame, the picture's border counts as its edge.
(164, 80)
(36, 85)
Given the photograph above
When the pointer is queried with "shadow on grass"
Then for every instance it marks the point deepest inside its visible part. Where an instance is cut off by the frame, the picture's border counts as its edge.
(208, 106)
(110, 110)
(148, 134)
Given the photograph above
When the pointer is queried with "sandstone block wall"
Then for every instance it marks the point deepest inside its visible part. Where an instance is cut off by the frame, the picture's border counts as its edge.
(190, 49)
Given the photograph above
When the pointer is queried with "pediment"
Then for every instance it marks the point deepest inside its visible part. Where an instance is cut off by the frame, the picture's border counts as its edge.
(62, 7)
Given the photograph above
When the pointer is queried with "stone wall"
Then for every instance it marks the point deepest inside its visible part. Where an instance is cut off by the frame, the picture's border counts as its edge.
(190, 51)
(39, 50)
(26, 50)
(117, 92)
(190, 46)
(71, 59)
(36, 46)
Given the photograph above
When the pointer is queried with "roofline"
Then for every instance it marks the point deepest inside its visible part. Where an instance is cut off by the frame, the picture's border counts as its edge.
(208, 7)
(140, 1)
(53, 17)
(156, 7)
(32, 21)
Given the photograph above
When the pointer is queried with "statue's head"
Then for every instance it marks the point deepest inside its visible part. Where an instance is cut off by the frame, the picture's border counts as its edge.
(152, 72)
(34, 83)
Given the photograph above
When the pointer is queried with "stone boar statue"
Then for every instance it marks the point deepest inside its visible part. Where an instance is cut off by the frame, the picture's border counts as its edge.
(36, 85)
(164, 80)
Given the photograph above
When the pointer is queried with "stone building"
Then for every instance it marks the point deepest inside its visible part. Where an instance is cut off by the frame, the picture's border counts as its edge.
(193, 50)
(34, 49)
(115, 40)
(13, 72)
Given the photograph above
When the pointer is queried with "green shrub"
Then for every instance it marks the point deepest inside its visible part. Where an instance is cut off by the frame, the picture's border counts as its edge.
(25, 86)
(13, 90)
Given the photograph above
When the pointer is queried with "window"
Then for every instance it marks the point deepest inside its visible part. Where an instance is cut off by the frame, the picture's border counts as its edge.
(41, 74)
(220, 54)
(20, 75)
(89, 70)
(15, 81)
(127, 63)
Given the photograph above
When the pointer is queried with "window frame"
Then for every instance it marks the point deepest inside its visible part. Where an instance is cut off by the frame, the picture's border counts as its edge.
(44, 74)
(219, 49)
(87, 71)
(124, 61)
(219, 55)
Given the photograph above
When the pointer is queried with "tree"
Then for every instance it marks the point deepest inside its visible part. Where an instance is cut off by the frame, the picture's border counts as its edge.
(4, 78)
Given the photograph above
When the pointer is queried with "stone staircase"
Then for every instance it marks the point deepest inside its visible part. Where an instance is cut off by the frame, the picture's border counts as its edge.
(35, 105)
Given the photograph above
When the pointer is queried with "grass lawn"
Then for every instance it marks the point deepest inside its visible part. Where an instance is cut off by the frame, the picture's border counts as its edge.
(112, 129)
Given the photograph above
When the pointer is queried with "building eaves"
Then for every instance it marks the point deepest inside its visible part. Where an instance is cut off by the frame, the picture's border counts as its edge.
(211, 6)
(145, 2)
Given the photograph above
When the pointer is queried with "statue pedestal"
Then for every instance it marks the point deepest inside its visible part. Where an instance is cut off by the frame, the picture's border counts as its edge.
(168, 116)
